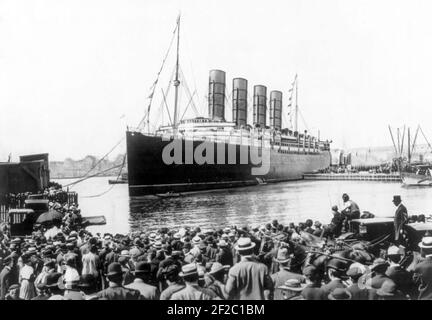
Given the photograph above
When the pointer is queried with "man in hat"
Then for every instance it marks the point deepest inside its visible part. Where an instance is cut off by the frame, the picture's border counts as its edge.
(73, 291)
(91, 263)
(318, 232)
(423, 270)
(249, 279)
(9, 275)
(284, 274)
(292, 289)
(216, 277)
(115, 290)
(336, 224)
(172, 278)
(355, 271)
(54, 286)
(397, 273)
(350, 210)
(401, 216)
(141, 282)
(49, 267)
(378, 268)
(88, 286)
(336, 269)
(312, 290)
(192, 290)
(224, 255)
(13, 293)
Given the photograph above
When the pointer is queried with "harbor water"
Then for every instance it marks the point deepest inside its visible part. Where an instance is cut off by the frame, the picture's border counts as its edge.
(287, 202)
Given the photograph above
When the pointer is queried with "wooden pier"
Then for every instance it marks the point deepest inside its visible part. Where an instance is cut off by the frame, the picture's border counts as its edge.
(392, 177)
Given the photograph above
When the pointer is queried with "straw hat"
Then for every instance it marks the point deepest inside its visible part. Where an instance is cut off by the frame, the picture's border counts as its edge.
(217, 267)
(189, 269)
(426, 243)
(244, 244)
(222, 243)
(293, 285)
(196, 240)
(283, 255)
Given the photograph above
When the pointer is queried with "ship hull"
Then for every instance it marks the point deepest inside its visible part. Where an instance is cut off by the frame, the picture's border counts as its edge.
(412, 179)
(149, 174)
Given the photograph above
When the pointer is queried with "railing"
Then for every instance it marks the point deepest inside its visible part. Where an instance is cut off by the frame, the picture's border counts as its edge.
(69, 198)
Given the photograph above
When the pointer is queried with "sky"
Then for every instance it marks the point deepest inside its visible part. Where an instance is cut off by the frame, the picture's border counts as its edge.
(74, 74)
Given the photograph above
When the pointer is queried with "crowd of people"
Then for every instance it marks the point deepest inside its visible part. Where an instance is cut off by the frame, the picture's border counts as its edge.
(54, 193)
(304, 261)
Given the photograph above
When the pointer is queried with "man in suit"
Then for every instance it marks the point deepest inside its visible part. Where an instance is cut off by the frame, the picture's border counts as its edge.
(248, 279)
(313, 290)
(9, 274)
(284, 274)
(401, 216)
(355, 271)
(142, 276)
(423, 270)
(116, 291)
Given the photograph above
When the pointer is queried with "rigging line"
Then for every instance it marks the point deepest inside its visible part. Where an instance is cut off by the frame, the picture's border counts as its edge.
(185, 85)
(394, 143)
(304, 122)
(403, 138)
(101, 159)
(187, 106)
(112, 186)
(191, 66)
(424, 136)
(167, 109)
(153, 87)
(415, 138)
(168, 88)
(91, 176)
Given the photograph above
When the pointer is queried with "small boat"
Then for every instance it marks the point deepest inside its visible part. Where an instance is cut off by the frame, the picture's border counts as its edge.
(117, 181)
(169, 194)
(94, 221)
(261, 181)
(123, 179)
(421, 178)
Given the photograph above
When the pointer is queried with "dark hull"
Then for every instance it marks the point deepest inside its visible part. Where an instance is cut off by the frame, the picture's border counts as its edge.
(148, 174)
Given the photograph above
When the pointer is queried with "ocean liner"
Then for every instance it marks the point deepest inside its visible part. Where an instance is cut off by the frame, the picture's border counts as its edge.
(209, 152)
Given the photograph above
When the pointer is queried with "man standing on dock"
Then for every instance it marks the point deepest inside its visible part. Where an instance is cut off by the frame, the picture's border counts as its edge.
(401, 216)
(350, 210)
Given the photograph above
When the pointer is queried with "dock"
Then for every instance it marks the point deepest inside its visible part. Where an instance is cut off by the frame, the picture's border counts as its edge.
(391, 177)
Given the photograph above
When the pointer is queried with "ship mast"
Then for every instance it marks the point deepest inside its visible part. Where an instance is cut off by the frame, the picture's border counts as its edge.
(176, 81)
(296, 106)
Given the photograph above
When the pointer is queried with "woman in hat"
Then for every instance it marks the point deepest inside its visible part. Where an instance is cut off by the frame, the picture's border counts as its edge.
(27, 278)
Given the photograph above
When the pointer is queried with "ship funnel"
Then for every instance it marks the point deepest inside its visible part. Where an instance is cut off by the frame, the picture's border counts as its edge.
(239, 101)
(216, 95)
(276, 110)
(260, 106)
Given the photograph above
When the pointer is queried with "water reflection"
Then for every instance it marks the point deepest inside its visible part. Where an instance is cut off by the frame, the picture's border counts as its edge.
(287, 202)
